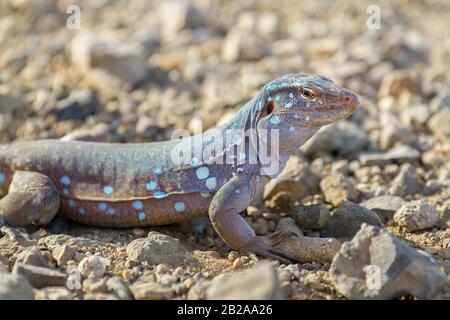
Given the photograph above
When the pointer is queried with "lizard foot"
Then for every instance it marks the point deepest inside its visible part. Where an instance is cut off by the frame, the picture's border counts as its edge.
(264, 246)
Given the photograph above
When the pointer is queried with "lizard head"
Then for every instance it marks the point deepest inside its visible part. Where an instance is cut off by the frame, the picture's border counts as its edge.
(294, 101)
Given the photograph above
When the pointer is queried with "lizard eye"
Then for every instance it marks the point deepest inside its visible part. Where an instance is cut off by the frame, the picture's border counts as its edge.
(307, 93)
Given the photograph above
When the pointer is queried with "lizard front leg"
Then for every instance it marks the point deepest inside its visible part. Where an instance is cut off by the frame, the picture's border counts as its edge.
(229, 201)
(32, 199)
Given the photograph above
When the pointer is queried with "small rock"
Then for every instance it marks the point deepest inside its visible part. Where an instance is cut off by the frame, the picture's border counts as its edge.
(247, 285)
(297, 179)
(287, 225)
(384, 206)
(345, 221)
(63, 239)
(95, 285)
(119, 288)
(343, 137)
(377, 265)
(157, 248)
(53, 293)
(445, 215)
(108, 63)
(439, 123)
(77, 106)
(337, 188)
(406, 182)
(144, 290)
(62, 254)
(15, 287)
(398, 82)
(401, 154)
(40, 277)
(177, 15)
(311, 217)
(239, 45)
(32, 256)
(416, 215)
(93, 266)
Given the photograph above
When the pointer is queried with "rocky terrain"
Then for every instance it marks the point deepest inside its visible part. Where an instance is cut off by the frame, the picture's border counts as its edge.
(368, 197)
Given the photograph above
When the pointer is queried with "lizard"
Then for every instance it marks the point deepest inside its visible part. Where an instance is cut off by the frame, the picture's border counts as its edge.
(158, 183)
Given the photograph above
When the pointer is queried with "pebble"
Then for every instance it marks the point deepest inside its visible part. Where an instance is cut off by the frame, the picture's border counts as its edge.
(311, 217)
(62, 254)
(93, 266)
(296, 179)
(337, 188)
(15, 287)
(77, 106)
(416, 215)
(384, 206)
(53, 293)
(108, 63)
(247, 285)
(347, 219)
(151, 291)
(343, 137)
(32, 256)
(40, 277)
(157, 248)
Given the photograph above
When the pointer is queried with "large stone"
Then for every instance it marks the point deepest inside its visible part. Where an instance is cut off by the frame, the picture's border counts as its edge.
(108, 63)
(416, 215)
(15, 287)
(345, 221)
(40, 277)
(297, 179)
(261, 283)
(384, 206)
(377, 265)
(157, 248)
(343, 137)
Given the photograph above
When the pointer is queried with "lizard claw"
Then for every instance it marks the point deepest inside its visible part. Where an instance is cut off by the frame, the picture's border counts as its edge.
(264, 246)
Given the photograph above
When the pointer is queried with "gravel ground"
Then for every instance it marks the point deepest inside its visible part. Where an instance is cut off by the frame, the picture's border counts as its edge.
(369, 197)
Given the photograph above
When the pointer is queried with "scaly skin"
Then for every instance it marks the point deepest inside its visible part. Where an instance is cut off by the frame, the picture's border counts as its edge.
(125, 185)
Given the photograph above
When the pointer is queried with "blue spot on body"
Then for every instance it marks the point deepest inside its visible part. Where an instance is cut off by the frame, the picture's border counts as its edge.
(275, 119)
(82, 210)
(102, 206)
(72, 203)
(291, 95)
(159, 194)
(66, 191)
(141, 216)
(2, 178)
(151, 185)
(291, 129)
(65, 180)
(288, 105)
(138, 204)
(202, 173)
(211, 183)
(111, 211)
(157, 170)
(179, 207)
(108, 190)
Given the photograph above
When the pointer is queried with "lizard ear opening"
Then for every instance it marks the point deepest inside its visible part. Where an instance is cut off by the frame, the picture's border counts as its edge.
(268, 108)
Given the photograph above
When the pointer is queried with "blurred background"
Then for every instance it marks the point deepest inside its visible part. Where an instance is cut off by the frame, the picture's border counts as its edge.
(134, 70)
